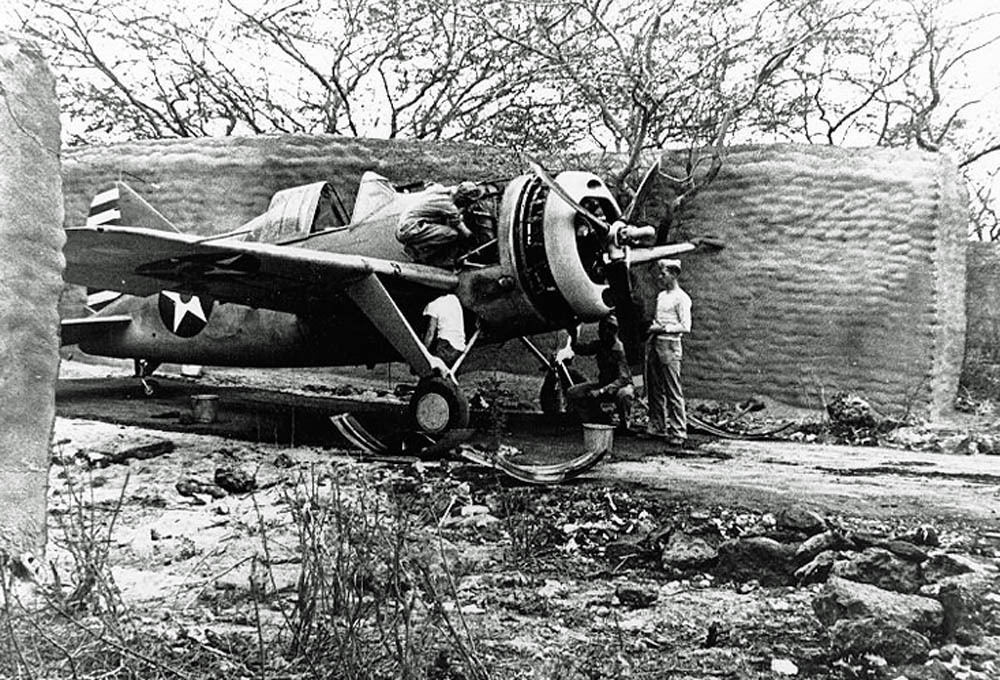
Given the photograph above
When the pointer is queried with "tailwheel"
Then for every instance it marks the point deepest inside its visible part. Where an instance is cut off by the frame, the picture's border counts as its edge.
(438, 406)
(143, 371)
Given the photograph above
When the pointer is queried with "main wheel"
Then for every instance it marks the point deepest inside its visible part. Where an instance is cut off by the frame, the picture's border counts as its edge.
(437, 406)
(552, 396)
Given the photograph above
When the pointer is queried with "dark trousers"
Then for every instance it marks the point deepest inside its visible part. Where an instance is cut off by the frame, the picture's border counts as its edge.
(445, 351)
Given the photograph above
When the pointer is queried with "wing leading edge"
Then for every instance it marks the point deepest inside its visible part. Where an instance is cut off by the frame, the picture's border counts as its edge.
(143, 262)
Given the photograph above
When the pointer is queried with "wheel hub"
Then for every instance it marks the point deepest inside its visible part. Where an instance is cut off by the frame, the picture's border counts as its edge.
(432, 412)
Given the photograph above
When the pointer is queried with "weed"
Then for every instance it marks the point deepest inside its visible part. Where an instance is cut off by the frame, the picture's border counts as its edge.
(373, 598)
(528, 532)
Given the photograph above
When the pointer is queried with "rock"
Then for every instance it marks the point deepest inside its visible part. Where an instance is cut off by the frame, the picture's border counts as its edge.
(903, 548)
(943, 565)
(976, 653)
(851, 410)
(932, 670)
(894, 643)
(193, 488)
(759, 558)
(235, 480)
(961, 610)
(881, 568)
(283, 461)
(828, 540)
(866, 539)
(635, 596)
(624, 549)
(799, 518)
(784, 667)
(914, 438)
(684, 552)
(818, 570)
(906, 550)
(842, 599)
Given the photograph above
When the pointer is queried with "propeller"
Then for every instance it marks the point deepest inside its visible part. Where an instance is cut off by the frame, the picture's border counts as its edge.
(624, 243)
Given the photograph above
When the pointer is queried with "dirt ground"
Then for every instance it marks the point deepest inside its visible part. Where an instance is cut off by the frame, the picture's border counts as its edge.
(517, 581)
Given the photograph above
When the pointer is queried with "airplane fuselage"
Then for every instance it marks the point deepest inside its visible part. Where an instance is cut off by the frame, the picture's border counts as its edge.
(538, 281)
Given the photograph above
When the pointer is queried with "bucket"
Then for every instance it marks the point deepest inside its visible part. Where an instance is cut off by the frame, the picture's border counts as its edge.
(205, 407)
(598, 437)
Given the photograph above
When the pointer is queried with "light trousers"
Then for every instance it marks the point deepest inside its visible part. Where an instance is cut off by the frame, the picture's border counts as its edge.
(664, 393)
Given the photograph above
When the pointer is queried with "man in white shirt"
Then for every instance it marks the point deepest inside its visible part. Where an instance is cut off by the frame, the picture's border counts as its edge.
(445, 335)
(664, 393)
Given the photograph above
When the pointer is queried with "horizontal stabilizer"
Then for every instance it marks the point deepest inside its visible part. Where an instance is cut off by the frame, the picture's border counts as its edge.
(74, 331)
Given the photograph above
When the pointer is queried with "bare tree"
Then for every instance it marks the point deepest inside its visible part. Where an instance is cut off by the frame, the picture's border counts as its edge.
(627, 76)
(354, 67)
(897, 74)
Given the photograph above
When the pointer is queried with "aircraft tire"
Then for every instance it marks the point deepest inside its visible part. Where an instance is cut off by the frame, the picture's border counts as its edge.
(552, 396)
(437, 406)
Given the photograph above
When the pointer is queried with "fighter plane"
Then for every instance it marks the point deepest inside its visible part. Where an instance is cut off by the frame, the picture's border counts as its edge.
(306, 284)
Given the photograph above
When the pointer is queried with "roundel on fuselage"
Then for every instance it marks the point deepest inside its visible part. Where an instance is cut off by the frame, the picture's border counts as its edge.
(184, 315)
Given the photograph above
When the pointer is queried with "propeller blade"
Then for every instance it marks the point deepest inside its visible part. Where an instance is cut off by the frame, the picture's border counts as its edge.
(640, 255)
(553, 185)
(641, 193)
(711, 242)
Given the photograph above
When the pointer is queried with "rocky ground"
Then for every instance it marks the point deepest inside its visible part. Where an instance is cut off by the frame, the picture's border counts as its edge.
(199, 556)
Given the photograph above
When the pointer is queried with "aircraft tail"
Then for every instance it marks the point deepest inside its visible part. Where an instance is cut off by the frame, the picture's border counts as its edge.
(120, 205)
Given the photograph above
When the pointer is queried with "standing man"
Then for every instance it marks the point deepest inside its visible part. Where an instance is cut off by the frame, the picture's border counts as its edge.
(445, 334)
(665, 396)
(614, 377)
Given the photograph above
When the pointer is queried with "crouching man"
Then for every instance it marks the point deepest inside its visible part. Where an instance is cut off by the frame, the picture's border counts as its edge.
(614, 378)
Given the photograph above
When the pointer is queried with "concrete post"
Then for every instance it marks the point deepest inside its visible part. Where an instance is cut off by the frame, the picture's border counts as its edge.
(31, 263)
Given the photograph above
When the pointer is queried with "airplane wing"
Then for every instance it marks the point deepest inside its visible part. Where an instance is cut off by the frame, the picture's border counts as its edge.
(142, 261)
(78, 330)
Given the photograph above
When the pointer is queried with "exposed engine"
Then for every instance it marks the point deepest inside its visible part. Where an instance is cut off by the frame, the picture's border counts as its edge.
(556, 252)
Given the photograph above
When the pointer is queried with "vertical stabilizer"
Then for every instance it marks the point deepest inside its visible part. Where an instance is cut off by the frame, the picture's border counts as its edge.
(121, 206)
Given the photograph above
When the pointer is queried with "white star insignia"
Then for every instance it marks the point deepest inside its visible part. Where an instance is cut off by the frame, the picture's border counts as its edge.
(182, 309)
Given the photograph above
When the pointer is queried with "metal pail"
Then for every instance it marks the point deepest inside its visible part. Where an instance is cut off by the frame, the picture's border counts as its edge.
(598, 437)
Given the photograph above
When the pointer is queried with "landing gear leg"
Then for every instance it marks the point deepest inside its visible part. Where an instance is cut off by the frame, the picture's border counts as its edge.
(558, 378)
(437, 405)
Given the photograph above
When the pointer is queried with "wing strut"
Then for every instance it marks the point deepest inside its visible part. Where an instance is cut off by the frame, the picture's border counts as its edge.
(374, 300)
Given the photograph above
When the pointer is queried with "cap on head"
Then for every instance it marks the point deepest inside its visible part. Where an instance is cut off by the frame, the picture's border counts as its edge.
(465, 193)
(672, 266)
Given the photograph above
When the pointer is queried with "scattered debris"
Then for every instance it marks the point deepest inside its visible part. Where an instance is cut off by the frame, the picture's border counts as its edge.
(635, 596)
(235, 480)
(105, 457)
(192, 488)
